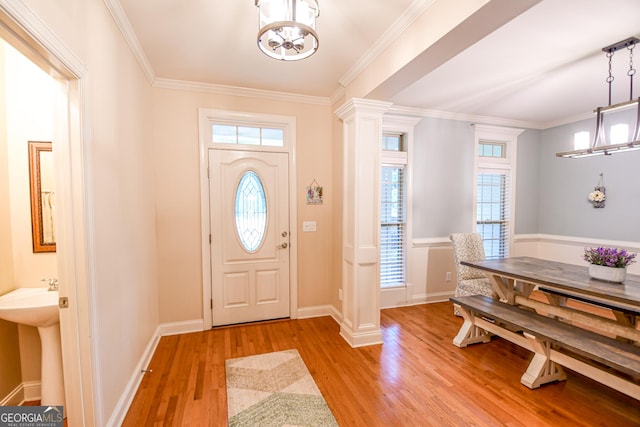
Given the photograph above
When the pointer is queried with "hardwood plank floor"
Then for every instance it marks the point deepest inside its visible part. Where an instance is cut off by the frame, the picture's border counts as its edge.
(416, 378)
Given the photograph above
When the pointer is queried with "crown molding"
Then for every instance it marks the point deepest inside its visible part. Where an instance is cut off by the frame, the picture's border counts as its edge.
(239, 91)
(337, 95)
(55, 51)
(413, 12)
(419, 112)
(123, 24)
(568, 120)
(362, 105)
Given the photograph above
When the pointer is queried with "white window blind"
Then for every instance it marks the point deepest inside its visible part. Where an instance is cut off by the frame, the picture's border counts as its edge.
(393, 226)
(493, 211)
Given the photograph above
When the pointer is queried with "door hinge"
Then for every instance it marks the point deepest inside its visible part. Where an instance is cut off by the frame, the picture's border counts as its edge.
(211, 303)
(209, 238)
(208, 176)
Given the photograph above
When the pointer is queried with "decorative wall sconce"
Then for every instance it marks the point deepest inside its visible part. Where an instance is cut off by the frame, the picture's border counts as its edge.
(598, 196)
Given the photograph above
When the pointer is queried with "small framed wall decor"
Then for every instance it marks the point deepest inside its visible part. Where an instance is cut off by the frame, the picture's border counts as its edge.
(314, 193)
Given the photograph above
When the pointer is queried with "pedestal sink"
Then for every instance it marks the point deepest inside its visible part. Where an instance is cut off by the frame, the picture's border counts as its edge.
(39, 307)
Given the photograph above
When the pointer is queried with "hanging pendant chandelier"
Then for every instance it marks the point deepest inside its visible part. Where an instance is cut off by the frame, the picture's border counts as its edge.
(599, 144)
(288, 28)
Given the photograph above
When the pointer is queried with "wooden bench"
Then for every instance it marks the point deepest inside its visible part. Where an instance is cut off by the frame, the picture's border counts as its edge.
(554, 343)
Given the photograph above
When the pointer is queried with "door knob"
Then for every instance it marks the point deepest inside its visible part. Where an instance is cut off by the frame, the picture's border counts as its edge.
(283, 246)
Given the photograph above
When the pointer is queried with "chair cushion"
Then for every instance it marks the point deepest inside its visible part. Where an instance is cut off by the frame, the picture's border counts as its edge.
(467, 247)
(474, 287)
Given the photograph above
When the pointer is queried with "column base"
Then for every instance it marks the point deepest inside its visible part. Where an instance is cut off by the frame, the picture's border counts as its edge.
(360, 339)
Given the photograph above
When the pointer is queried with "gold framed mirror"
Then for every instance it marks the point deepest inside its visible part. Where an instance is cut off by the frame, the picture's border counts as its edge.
(42, 196)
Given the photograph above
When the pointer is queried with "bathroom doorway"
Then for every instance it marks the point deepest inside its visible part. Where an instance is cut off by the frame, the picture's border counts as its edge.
(24, 32)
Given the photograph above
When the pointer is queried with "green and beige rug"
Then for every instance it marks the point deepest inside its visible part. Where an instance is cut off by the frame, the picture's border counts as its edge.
(274, 389)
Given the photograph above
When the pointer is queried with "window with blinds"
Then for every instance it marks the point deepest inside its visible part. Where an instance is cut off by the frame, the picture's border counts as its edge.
(495, 178)
(492, 211)
(392, 226)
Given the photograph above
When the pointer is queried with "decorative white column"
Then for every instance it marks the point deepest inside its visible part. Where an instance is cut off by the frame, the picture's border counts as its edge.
(362, 133)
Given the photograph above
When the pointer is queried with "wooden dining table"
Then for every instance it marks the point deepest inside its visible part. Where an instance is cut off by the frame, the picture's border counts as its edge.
(515, 278)
(612, 310)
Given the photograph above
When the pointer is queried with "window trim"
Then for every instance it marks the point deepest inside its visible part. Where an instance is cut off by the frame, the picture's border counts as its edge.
(209, 117)
(406, 126)
(510, 137)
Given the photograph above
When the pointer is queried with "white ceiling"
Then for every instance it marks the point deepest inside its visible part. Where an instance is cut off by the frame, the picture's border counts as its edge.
(545, 67)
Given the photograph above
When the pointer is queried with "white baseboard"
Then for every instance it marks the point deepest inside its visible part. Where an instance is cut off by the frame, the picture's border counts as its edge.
(316, 311)
(185, 327)
(360, 339)
(31, 391)
(120, 411)
(336, 315)
(25, 392)
(424, 299)
(15, 398)
(438, 297)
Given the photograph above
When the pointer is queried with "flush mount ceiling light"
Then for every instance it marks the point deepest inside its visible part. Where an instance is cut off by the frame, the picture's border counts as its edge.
(288, 28)
(599, 144)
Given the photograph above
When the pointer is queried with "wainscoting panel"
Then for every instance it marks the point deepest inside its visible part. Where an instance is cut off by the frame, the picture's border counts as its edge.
(430, 259)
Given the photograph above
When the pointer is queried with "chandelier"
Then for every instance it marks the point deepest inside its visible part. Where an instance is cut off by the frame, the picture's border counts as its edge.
(599, 144)
(288, 28)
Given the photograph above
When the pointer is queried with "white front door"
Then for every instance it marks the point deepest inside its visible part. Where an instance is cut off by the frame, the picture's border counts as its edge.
(249, 214)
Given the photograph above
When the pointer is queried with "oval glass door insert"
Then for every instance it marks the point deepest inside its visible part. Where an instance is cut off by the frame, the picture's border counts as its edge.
(251, 211)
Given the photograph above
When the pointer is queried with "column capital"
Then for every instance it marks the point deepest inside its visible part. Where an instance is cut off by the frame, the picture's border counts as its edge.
(359, 105)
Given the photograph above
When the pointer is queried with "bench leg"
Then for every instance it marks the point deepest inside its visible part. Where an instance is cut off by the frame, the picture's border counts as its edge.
(542, 369)
(469, 333)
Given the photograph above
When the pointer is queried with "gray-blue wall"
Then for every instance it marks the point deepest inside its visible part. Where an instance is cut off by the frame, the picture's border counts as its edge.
(442, 177)
(566, 183)
(551, 192)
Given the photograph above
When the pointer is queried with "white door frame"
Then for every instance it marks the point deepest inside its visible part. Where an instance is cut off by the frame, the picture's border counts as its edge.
(27, 33)
(208, 116)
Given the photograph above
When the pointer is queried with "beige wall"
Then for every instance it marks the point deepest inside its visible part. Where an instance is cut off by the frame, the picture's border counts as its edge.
(336, 256)
(176, 158)
(118, 151)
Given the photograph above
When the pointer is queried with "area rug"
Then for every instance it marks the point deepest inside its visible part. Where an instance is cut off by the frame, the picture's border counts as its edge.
(274, 389)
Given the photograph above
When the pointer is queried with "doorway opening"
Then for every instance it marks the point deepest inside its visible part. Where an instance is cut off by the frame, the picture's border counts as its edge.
(21, 29)
(248, 214)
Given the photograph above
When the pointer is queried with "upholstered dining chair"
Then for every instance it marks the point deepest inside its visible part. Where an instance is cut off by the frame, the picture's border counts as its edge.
(471, 281)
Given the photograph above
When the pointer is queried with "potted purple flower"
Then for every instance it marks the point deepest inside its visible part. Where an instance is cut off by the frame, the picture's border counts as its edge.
(609, 264)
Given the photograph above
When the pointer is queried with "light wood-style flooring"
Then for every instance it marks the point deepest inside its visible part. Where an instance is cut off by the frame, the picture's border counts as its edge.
(416, 378)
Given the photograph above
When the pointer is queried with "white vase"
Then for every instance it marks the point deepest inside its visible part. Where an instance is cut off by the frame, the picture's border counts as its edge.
(608, 274)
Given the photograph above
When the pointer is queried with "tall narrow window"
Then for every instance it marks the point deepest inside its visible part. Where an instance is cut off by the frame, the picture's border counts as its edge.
(494, 180)
(492, 211)
(392, 213)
